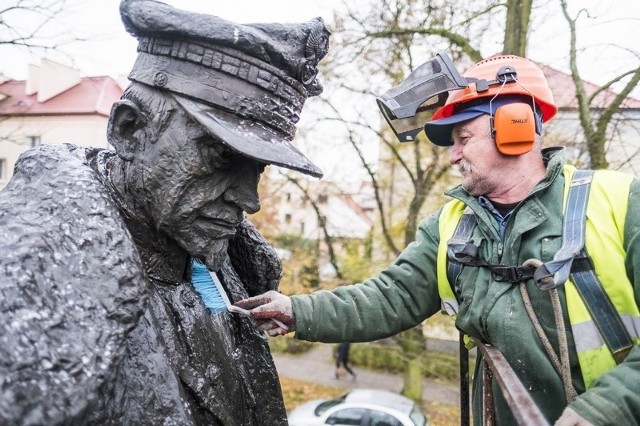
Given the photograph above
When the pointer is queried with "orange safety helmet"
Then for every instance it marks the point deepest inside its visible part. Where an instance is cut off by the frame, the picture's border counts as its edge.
(531, 82)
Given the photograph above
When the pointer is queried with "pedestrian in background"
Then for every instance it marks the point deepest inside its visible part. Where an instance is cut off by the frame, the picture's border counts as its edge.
(342, 360)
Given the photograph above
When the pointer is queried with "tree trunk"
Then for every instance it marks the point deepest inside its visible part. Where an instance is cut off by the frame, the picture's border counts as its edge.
(517, 27)
(412, 344)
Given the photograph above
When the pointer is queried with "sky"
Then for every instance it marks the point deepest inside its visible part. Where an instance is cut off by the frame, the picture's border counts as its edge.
(608, 33)
(110, 50)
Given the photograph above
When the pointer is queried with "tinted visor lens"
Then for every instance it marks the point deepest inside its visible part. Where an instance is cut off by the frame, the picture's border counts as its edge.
(409, 105)
(407, 129)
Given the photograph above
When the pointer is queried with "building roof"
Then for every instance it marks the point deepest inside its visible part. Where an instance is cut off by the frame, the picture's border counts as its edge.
(92, 95)
(564, 91)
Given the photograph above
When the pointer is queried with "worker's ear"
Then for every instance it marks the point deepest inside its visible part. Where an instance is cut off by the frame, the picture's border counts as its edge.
(122, 131)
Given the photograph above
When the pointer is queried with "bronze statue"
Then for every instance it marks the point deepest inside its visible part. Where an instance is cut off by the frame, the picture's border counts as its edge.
(99, 323)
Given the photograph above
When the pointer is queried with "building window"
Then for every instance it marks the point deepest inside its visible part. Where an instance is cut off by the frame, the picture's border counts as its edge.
(302, 228)
(33, 141)
(287, 218)
(3, 168)
(322, 199)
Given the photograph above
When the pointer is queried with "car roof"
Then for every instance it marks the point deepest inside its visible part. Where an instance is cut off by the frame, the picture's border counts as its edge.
(381, 397)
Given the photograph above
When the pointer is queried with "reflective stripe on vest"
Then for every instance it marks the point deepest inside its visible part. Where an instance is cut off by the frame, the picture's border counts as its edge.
(604, 238)
(447, 223)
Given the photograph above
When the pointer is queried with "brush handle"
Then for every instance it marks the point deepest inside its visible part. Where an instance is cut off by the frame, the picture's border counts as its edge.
(237, 309)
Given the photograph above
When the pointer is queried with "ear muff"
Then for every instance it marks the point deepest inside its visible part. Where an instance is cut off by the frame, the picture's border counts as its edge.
(514, 128)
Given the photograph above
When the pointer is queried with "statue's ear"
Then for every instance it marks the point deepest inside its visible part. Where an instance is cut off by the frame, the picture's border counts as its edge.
(126, 118)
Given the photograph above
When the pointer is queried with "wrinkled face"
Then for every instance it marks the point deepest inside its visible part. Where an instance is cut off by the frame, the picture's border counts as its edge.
(476, 155)
(197, 189)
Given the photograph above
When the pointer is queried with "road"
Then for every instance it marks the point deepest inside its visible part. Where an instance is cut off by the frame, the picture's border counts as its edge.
(317, 366)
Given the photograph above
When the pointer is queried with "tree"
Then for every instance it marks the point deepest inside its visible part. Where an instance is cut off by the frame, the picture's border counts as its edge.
(384, 44)
(33, 25)
(322, 221)
(596, 123)
(518, 16)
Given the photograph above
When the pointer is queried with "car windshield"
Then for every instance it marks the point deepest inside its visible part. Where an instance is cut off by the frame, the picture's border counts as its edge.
(417, 417)
(324, 406)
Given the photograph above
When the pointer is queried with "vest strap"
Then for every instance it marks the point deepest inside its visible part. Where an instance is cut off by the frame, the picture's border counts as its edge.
(573, 230)
(460, 241)
(606, 318)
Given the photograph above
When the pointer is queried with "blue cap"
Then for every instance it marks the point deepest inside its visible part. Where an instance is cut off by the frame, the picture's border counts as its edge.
(439, 131)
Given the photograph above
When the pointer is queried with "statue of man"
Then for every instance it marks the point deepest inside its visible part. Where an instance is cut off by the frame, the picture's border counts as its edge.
(99, 320)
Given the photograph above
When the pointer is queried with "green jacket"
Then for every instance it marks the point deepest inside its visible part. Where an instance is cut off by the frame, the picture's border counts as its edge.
(406, 293)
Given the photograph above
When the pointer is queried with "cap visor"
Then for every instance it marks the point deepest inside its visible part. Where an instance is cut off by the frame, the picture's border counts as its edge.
(439, 131)
(248, 137)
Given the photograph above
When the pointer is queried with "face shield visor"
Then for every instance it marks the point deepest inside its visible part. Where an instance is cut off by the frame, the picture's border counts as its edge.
(409, 105)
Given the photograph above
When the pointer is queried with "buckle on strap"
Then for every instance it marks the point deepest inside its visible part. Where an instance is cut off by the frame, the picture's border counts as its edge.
(544, 278)
(464, 253)
(512, 274)
(620, 355)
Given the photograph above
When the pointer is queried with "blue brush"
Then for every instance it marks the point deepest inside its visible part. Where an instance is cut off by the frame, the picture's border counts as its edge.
(213, 295)
(209, 292)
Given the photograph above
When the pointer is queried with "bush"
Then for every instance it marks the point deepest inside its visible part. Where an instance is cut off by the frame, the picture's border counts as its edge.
(289, 345)
(390, 358)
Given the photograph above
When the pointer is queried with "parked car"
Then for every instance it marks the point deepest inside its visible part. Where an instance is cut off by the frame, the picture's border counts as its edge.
(362, 407)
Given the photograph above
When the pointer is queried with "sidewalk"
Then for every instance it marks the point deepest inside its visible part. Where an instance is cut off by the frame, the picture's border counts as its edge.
(317, 366)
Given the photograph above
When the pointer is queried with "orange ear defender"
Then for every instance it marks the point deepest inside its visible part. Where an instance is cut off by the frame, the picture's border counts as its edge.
(513, 127)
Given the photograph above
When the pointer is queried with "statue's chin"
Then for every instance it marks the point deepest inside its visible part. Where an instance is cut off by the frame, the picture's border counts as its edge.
(216, 255)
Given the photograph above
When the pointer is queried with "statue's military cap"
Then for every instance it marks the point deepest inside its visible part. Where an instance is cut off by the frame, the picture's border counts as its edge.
(245, 83)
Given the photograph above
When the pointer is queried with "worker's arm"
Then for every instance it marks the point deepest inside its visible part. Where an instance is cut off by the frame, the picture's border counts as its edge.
(403, 295)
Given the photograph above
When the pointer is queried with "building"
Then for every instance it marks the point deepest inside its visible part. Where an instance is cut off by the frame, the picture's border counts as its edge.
(309, 210)
(623, 148)
(53, 106)
(347, 210)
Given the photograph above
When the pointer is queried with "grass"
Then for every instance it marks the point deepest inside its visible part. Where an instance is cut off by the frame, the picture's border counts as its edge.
(296, 392)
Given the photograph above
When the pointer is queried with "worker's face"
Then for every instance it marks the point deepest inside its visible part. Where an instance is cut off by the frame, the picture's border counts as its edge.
(476, 156)
(197, 189)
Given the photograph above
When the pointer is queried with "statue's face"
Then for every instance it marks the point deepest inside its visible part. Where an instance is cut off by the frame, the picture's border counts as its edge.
(197, 188)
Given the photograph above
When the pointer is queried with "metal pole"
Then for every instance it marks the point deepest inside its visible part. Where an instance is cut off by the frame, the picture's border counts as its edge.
(464, 383)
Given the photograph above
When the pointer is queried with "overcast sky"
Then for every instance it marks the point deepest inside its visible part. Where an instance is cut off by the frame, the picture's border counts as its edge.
(111, 51)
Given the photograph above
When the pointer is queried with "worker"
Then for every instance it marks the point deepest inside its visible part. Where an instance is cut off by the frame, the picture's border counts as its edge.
(504, 275)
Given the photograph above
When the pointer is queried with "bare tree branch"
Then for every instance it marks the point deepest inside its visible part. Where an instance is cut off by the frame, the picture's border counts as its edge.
(322, 221)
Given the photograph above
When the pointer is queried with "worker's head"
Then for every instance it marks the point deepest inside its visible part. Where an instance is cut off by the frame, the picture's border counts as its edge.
(211, 103)
(492, 122)
(511, 91)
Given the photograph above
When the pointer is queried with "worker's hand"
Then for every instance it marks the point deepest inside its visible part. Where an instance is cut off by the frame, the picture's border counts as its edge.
(570, 418)
(272, 311)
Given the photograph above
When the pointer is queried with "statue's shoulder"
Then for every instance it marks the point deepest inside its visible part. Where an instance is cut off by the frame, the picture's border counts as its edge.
(255, 260)
(71, 282)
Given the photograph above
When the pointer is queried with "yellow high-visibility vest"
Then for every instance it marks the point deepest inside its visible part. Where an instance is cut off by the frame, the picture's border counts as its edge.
(606, 213)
